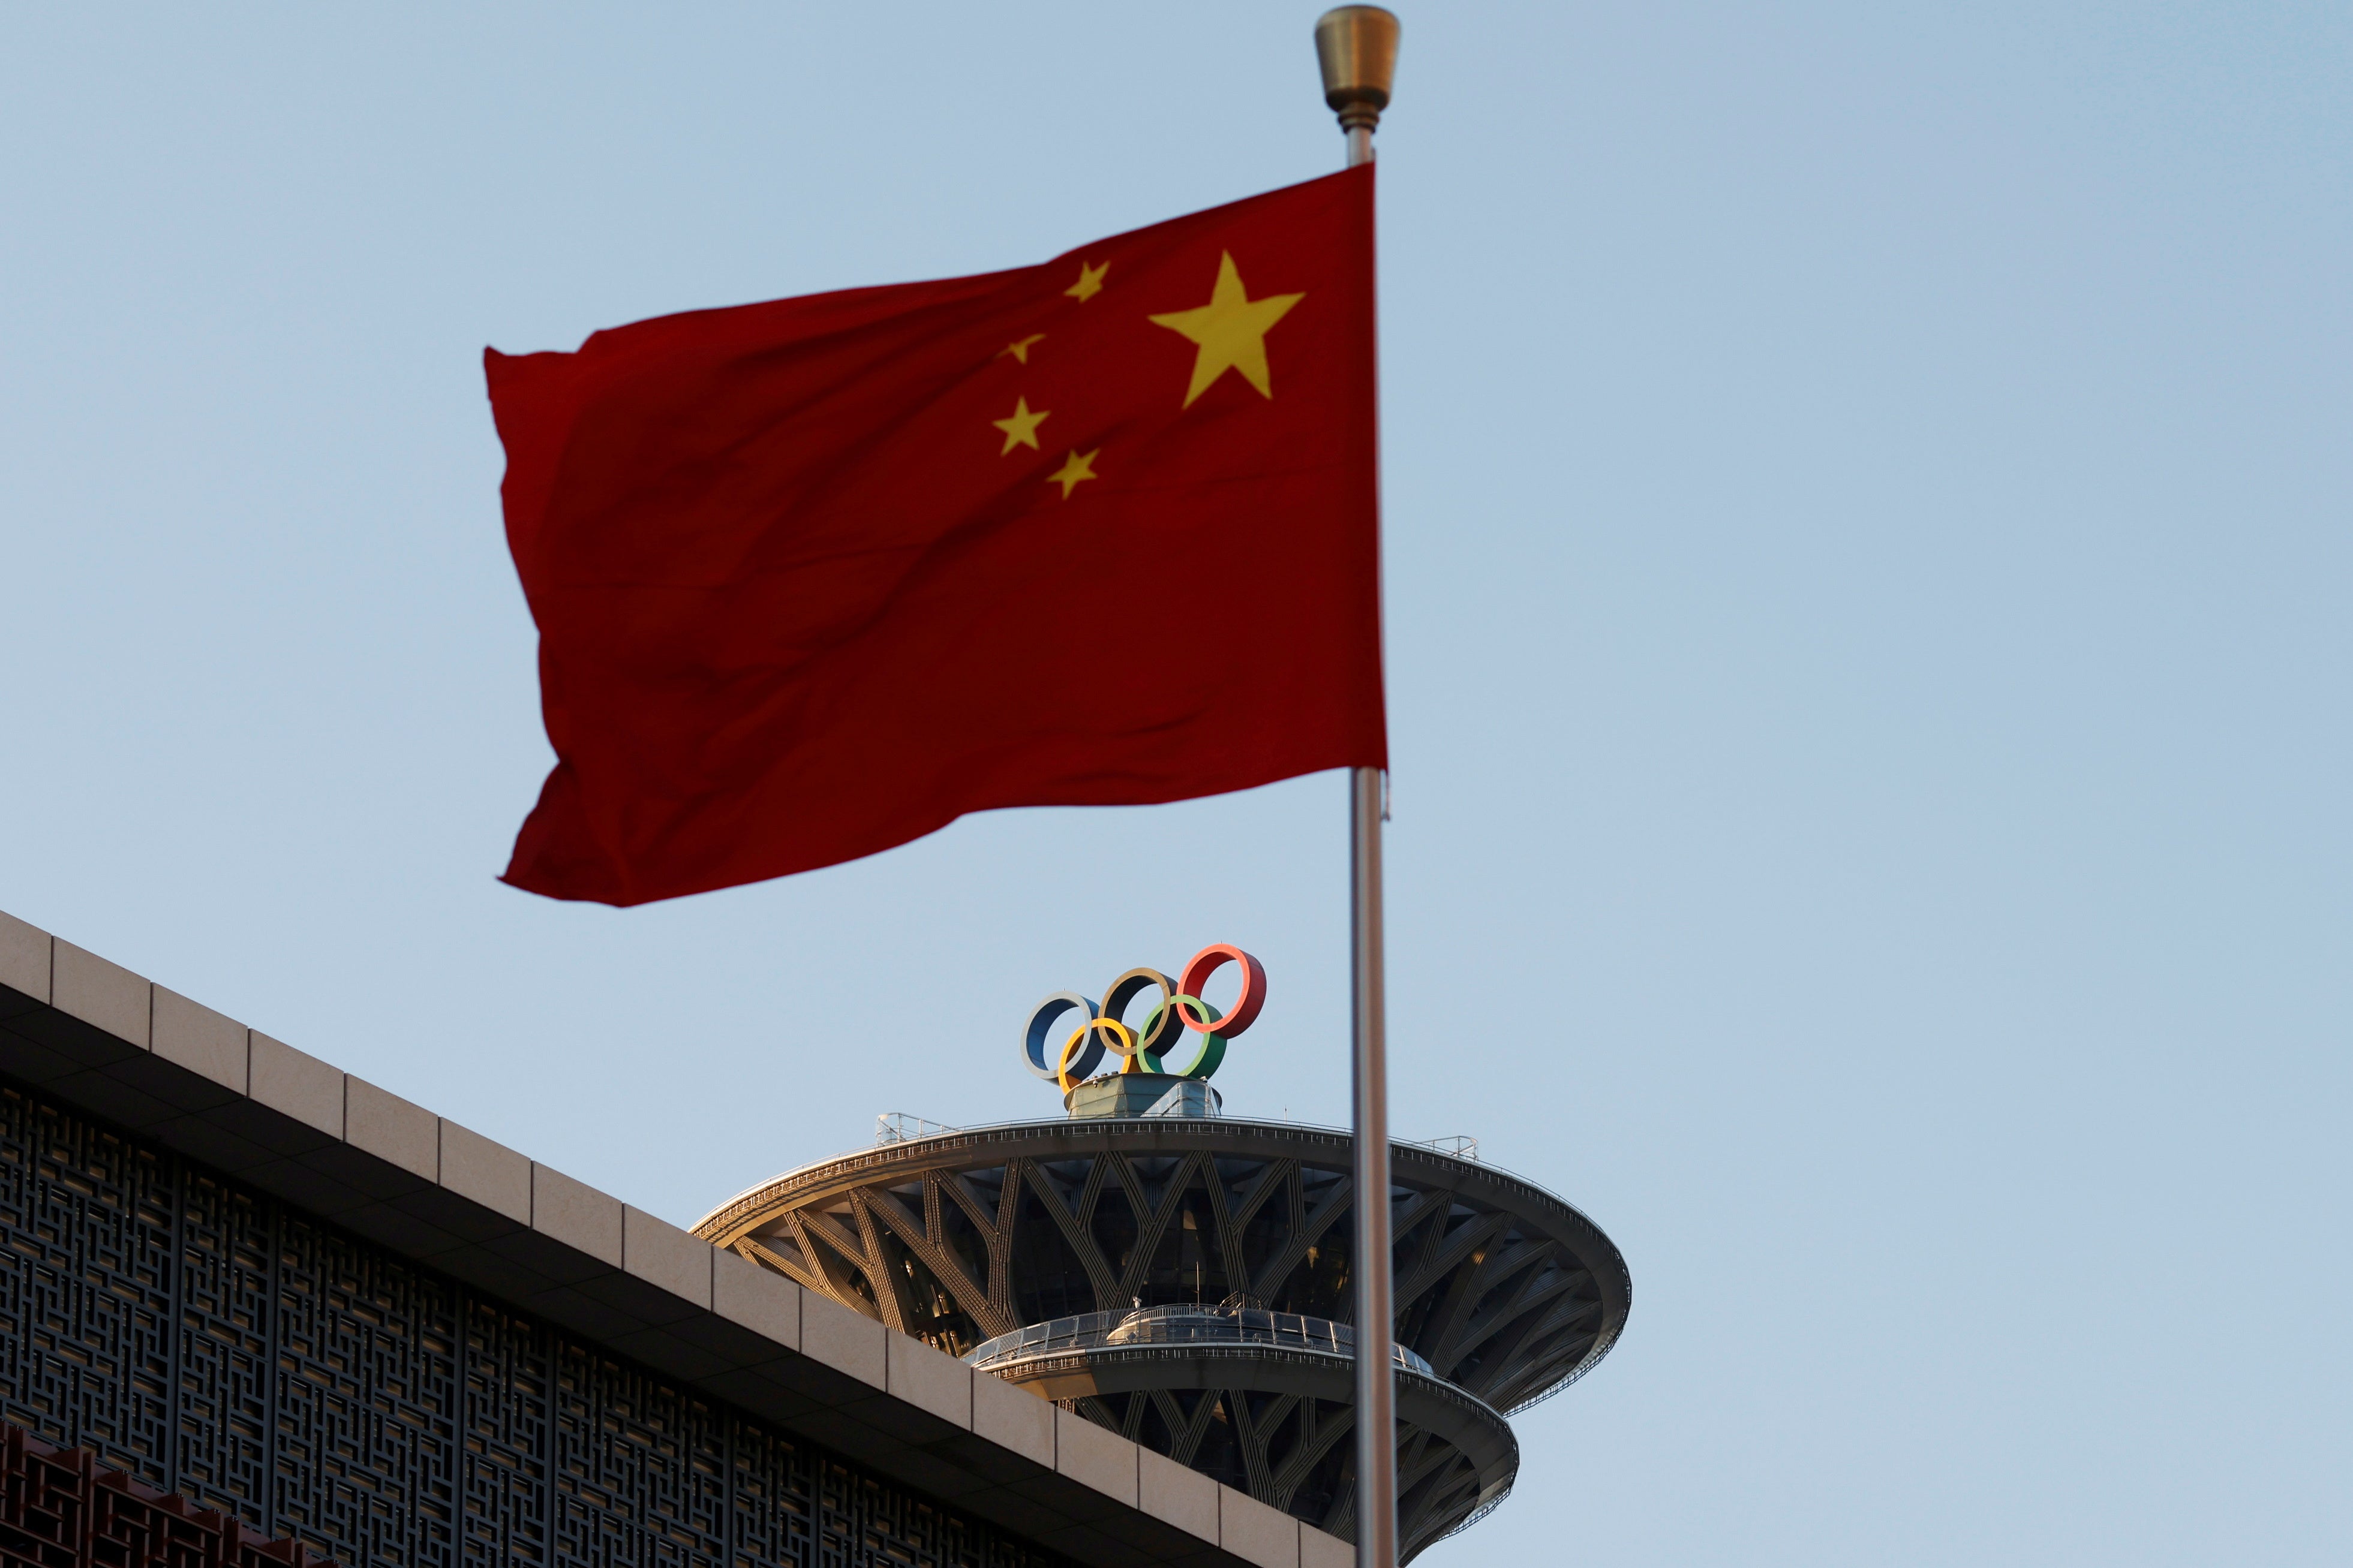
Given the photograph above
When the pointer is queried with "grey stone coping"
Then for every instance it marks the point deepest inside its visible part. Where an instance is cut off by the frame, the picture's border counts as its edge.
(95, 1035)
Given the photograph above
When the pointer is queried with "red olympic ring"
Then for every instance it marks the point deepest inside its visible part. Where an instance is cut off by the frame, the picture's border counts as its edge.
(1244, 1011)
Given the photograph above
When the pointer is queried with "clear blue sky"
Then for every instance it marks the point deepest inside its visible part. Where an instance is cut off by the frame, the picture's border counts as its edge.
(1868, 569)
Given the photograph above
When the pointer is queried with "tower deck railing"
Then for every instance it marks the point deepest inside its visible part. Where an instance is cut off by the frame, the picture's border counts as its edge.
(1178, 1325)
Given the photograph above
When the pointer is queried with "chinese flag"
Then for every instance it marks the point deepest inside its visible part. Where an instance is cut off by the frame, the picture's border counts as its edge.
(816, 577)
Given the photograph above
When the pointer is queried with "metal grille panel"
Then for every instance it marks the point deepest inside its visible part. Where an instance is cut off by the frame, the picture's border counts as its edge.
(213, 1342)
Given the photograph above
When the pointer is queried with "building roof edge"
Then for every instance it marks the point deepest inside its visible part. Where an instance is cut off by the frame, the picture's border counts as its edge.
(95, 1035)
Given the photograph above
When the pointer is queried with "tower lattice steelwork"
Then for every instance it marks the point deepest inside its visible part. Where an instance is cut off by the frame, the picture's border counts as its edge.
(1184, 1279)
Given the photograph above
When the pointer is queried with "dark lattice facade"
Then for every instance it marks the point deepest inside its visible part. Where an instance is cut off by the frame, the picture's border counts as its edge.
(215, 1343)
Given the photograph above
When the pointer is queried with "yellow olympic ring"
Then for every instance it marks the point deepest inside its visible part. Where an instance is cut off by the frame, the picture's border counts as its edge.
(1123, 1043)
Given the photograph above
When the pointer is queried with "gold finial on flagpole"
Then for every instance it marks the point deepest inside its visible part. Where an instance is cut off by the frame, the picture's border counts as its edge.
(1357, 48)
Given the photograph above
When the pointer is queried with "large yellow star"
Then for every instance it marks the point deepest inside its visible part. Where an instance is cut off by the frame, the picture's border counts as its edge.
(1231, 331)
(1020, 428)
(1082, 466)
(1090, 283)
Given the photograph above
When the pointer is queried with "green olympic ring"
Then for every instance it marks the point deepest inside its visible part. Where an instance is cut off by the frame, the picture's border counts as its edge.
(1211, 1053)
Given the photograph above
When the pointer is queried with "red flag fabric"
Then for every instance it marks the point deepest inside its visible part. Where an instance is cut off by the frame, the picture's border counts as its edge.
(816, 577)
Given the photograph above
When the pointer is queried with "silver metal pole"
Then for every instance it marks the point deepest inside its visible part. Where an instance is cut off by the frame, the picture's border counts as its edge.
(1376, 1292)
(1356, 47)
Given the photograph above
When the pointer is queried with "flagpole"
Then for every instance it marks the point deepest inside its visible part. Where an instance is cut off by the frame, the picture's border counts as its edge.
(1356, 47)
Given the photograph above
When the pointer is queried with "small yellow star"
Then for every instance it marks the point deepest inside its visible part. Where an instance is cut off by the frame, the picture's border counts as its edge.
(1021, 427)
(1090, 283)
(1082, 466)
(1230, 331)
(1021, 351)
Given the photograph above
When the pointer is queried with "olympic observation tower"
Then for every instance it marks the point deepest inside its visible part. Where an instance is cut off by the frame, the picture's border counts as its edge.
(1182, 1276)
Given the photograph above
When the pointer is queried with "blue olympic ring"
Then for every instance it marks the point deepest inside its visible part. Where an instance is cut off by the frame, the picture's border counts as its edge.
(1033, 1041)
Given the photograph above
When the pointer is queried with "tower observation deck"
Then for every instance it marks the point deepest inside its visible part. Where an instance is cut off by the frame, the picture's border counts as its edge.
(1185, 1278)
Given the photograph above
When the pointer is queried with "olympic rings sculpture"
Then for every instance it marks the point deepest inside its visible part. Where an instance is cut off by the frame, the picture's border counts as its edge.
(1177, 1011)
